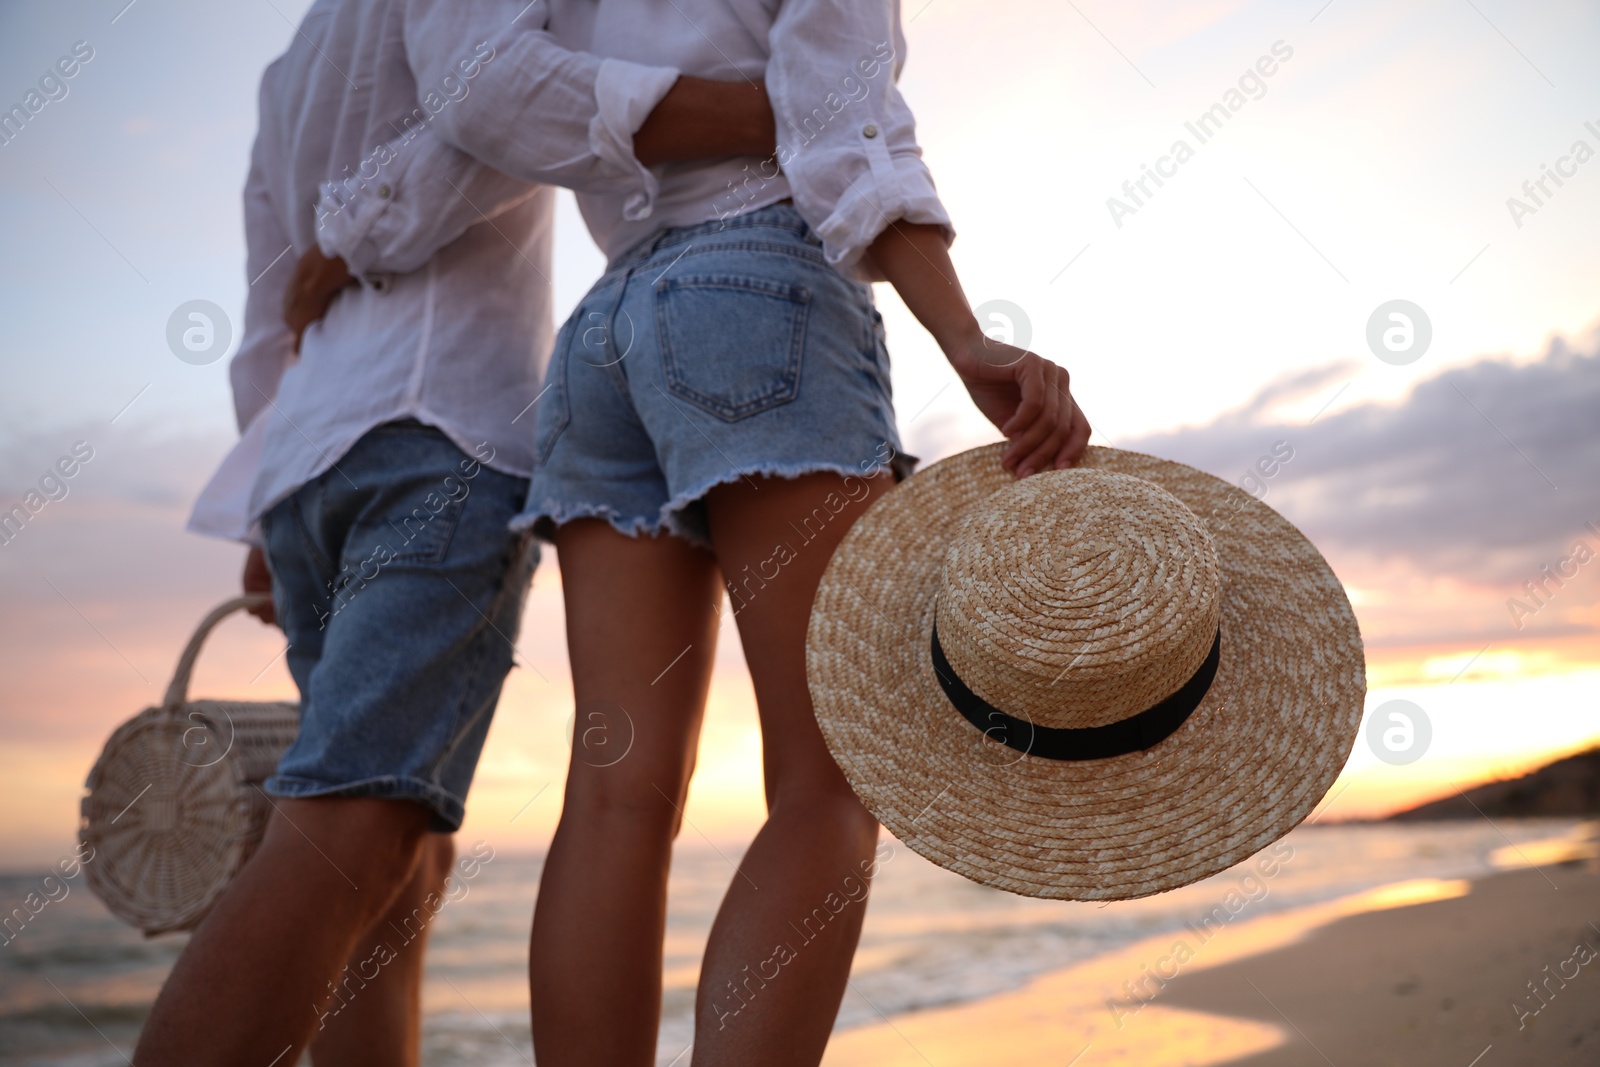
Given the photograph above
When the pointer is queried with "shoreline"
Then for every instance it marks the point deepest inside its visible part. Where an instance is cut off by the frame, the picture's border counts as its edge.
(1412, 973)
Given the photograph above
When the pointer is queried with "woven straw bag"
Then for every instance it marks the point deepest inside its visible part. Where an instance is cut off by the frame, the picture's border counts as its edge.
(174, 805)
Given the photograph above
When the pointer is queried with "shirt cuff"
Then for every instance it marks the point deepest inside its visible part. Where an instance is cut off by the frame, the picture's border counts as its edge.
(867, 208)
(625, 94)
(344, 221)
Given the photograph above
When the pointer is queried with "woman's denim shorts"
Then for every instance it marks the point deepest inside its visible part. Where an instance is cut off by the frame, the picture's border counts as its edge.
(711, 353)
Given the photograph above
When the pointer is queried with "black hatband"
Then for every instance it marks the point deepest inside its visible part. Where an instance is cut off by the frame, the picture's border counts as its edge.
(1133, 734)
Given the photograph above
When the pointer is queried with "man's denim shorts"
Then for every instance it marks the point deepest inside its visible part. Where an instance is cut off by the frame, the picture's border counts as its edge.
(713, 352)
(400, 587)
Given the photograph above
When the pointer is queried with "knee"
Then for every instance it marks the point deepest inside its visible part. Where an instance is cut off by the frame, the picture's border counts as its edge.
(391, 861)
(636, 801)
(438, 858)
(838, 811)
(366, 840)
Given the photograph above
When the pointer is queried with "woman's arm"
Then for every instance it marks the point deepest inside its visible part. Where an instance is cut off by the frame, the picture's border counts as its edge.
(847, 143)
(846, 139)
(1028, 397)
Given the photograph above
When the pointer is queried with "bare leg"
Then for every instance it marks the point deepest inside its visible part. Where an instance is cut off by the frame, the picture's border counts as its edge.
(251, 983)
(634, 606)
(780, 950)
(381, 1026)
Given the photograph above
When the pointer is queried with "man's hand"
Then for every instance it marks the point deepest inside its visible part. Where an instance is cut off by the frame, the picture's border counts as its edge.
(258, 579)
(1029, 398)
(317, 280)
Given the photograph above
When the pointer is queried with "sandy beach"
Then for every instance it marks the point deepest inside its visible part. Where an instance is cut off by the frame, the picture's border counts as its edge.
(1423, 972)
(1359, 933)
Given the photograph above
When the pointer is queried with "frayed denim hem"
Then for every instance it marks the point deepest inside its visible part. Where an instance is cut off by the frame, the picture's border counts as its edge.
(550, 515)
(670, 519)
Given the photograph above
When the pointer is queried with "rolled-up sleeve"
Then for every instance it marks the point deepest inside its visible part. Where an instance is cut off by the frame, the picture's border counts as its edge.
(625, 94)
(426, 195)
(519, 102)
(846, 139)
(510, 110)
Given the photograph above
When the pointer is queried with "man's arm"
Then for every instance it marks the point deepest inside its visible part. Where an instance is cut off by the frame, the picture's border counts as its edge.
(426, 193)
(430, 197)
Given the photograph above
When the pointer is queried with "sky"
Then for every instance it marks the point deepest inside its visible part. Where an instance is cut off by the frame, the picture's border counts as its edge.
(1212, 318)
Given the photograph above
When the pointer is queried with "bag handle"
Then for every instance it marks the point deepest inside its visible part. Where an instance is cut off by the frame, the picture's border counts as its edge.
(178, 691)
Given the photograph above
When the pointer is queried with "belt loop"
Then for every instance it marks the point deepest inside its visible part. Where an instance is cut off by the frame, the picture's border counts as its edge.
(655, 243)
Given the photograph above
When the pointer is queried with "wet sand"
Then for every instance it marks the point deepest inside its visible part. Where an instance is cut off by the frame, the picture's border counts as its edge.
(1430, 972)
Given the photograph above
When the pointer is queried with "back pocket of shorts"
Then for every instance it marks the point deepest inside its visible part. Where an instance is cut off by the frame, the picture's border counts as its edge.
(729, 344)
(413, 521)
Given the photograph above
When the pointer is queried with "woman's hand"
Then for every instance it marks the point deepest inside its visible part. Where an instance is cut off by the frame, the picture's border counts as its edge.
(1028, 397)
(1025, 395)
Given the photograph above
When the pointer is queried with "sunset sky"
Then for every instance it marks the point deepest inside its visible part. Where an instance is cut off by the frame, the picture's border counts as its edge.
(1228, 313)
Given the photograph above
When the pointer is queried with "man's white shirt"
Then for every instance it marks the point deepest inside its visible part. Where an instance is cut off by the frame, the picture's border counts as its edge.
(461, 341)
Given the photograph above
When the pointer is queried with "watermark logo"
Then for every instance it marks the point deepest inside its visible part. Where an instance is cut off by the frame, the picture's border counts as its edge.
(198, 332)
(53, 888)
(1399, 332)
(601, 733)
(1252, 85)
(200, 740)
(353, 977)
(53, 485)
(600, 338)
(1540, 590)
(1251, 888)
(1007, 323)
(1566, 167)
(1541, 991)
(748, 982)
(52, 87)
(338, 194)
(1399, 732)
(802, 130)
(995, 745)
(1254, 481)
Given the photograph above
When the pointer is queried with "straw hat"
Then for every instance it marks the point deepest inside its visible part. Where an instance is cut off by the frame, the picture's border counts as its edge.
(1068, 687)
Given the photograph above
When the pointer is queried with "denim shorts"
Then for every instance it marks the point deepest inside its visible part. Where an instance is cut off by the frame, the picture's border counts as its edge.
(713, 352)
(400, 587)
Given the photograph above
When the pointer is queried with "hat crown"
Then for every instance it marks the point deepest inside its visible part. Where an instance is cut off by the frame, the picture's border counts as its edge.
(1078, 598)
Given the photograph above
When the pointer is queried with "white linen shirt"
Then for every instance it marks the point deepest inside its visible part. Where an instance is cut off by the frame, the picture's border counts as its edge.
(847, 151)
(459, 341)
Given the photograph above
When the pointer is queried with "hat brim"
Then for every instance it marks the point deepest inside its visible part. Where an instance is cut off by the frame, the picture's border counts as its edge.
(1251, 762)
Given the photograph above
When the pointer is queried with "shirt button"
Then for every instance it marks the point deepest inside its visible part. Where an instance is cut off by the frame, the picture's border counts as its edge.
(869, 130)
(384, 192)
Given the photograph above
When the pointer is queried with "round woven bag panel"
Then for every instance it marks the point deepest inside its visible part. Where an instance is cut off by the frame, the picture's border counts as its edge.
(1251, 762)
(171, 810)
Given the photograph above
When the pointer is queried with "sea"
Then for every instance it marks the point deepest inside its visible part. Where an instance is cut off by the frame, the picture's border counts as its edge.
(76, 984)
